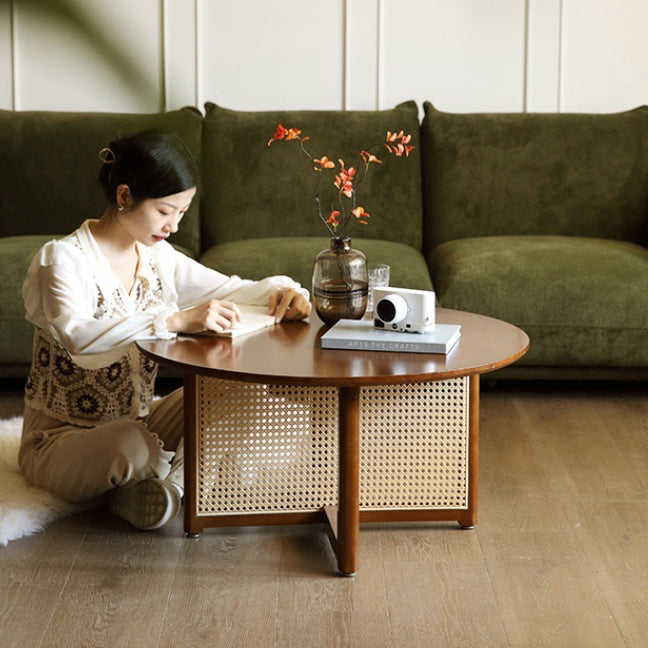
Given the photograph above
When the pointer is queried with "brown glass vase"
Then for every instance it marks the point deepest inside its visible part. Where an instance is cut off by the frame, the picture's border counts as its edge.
(340, 282)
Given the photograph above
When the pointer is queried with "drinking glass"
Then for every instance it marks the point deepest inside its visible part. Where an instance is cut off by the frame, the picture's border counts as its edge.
(378, 275)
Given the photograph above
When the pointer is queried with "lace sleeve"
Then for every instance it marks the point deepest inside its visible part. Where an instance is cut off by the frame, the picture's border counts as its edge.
(160, 318)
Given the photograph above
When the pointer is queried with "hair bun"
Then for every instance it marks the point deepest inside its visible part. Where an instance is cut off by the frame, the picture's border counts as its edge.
(152, 164)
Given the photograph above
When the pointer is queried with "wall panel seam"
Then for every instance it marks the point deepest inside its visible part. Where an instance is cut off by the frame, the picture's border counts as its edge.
(12, 49)
(561, 35)
(525, 71)
(197, 76)
(345, 51)
(163, 72)
(378, 50)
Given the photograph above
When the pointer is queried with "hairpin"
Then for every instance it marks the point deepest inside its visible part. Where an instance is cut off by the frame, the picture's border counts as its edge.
(106, 155)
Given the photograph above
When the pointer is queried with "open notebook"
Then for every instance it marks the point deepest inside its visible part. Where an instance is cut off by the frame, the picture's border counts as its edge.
(253, 318)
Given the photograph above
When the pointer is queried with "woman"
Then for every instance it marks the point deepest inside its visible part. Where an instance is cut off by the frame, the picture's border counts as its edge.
(90, 427)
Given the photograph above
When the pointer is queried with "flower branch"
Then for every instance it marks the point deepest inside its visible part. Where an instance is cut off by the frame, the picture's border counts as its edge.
(343, 219)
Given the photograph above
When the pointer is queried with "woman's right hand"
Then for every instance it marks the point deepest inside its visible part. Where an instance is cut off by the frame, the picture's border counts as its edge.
(214, 315)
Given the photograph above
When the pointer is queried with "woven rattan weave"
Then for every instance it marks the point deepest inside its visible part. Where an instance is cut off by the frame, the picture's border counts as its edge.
(265, 448)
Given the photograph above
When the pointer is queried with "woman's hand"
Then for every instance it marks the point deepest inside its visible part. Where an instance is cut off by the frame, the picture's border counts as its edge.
(288, 304)
(214, 315)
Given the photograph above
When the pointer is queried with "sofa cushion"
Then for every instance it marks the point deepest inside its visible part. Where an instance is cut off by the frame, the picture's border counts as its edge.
(582, 301)
(16, 333)
(251, 191)
(258, 258)
(563, 174)
(49, 167)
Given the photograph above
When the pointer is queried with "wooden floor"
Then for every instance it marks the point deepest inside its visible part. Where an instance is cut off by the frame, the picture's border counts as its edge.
(559, 558)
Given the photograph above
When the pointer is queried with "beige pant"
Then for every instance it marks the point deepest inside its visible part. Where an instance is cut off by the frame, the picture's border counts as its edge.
(79, 464)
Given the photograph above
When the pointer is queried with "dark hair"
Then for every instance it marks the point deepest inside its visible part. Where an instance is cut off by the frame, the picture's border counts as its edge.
(152, 163)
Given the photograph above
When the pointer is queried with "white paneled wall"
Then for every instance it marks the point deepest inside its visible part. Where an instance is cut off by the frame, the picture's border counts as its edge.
(362, 45)
(543, 55)
(279, 54)
(463, 55)
(59, 67)
(180, 54)
(604, 54)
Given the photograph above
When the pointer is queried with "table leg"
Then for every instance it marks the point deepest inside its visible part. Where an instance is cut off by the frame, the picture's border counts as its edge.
(192, 524)
(348, 517)
(469, 518)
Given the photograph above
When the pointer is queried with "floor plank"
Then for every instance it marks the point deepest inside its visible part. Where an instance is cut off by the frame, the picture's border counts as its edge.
(579, 454)
(324, 609)
(614, 537)
(559, 556)
(443, 605)
(33, 574)
(225, 590)
(515, 489)
(553, 604)
(624, 414)
(118, 588)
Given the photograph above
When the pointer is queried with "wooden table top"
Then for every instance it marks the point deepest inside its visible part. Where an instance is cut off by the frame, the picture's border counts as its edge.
(290, 353)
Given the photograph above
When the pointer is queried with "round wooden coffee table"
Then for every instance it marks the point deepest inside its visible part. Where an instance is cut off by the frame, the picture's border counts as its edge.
(279, 430)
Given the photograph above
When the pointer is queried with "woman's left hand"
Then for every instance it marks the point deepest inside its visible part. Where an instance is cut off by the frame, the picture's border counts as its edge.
(288, 304)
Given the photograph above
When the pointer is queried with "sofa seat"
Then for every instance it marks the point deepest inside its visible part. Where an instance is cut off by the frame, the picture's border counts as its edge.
(582, 301)
(295, 256)
(16, 333)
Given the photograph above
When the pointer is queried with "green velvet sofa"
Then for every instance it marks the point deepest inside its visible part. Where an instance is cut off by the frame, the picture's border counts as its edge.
(538, 219)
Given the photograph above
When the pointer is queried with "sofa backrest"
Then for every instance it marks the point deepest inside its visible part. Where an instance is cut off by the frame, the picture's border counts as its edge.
(252, 191)
(563, 174)
(49, 167)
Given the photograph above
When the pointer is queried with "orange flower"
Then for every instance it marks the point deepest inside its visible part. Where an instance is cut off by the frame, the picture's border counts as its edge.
(393, 145)
(280, 133)
(344, 184)
(332, 219)
(287, 134)
(344, 181)
(324, 163)
(368, 158)
(350, 171)
(361, 215)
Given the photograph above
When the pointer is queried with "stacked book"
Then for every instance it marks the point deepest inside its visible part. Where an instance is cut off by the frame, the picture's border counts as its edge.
(362, 336)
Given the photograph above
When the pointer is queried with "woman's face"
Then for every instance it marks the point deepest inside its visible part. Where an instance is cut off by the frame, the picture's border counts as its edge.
(154, 219)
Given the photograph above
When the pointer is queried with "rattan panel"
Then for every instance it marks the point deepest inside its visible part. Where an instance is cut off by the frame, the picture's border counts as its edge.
(266, 448)
(275, 448)
(414, 446)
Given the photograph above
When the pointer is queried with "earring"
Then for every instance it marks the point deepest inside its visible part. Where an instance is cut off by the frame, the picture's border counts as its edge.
(120, 208)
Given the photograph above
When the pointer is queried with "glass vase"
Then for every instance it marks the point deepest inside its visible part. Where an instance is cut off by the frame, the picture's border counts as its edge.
(340, 282)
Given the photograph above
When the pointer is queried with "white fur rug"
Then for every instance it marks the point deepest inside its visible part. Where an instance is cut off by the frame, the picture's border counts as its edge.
(23, 509)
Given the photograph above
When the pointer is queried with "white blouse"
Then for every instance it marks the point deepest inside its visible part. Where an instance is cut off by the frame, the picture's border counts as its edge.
(85, 367)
